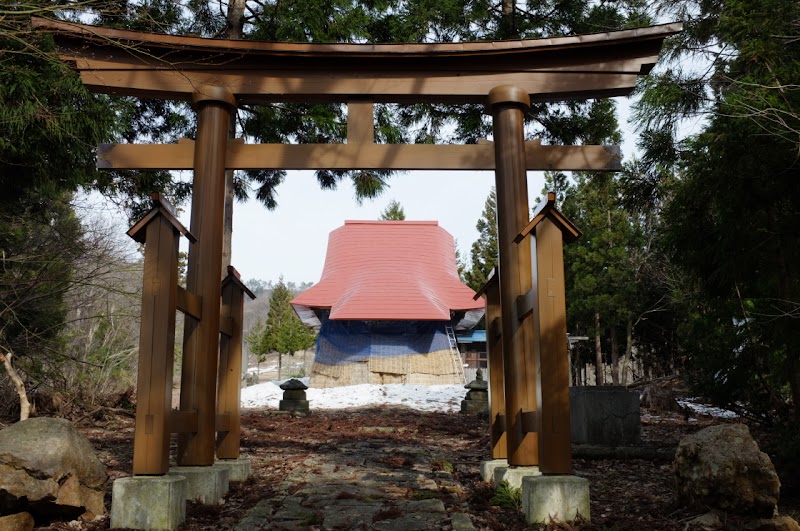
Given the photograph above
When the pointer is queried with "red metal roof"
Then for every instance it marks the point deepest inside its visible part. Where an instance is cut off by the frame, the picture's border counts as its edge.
(389, 270)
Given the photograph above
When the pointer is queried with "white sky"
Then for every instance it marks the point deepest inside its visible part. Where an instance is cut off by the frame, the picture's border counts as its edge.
(292, 240)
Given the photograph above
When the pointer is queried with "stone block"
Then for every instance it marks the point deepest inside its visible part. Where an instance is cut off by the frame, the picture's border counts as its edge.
(561, 498)
(461, 522)
(238, 469)
(605, 415)
(148, 502)
(474, 406)
(293, 405)
(487, 468)
(204, 484)
(514, 474)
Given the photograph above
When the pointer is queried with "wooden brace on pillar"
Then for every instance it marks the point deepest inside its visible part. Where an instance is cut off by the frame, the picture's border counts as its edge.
(494, 347)
(158, 230)
(548, 230)
(230, 365)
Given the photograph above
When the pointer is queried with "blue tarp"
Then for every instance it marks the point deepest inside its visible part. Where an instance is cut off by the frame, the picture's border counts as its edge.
(472, 336)
(341, 342)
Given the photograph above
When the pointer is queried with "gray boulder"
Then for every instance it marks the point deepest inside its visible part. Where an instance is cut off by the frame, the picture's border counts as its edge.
(722, 468)
(50, 470)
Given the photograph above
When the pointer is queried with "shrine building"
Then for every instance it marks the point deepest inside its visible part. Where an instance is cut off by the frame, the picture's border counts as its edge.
(387, 306)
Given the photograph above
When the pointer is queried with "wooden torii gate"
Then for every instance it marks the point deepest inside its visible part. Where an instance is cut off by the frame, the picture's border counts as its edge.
(216, 75)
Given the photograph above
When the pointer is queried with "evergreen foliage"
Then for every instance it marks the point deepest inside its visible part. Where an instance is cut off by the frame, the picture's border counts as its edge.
(732, 204)
(484, 252)
(393, 211)
(282, 332)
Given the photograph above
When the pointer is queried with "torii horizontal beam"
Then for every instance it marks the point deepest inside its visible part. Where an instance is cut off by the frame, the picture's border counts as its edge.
(149, 65)
(357, 156)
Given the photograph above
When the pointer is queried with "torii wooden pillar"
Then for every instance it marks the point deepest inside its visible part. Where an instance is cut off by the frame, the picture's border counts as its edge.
(201, 337)
(507, 105)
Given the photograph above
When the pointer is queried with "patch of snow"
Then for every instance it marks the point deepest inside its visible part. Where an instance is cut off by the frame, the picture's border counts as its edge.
(705, 409)
(265, 368)
(443, 398)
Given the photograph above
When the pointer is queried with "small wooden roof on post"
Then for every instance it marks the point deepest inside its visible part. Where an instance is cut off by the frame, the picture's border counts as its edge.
(546, 209)
(162, 207)
(233, 277)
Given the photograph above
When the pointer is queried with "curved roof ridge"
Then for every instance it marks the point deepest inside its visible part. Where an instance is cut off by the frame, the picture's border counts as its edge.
(101, 34)
(388, 270)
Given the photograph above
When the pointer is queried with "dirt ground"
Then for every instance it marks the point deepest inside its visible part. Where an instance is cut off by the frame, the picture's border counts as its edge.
(625, 494)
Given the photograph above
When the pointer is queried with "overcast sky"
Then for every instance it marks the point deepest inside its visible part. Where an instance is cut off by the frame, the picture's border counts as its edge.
(292, 240)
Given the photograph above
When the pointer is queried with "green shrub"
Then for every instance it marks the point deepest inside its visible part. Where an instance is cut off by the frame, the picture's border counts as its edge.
(507, 497)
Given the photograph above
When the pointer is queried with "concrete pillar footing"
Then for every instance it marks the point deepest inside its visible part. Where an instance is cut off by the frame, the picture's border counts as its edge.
(204, 484)
(561, 498)
(238, 469)
(514, 474)
(487, 468)
(148, 502)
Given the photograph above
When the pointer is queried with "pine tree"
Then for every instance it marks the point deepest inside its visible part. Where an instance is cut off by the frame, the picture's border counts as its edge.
(484, 252)
(393, 211)
(282, 332)
(733, 204)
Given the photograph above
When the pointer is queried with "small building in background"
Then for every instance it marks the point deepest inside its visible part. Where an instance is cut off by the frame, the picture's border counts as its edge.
(472, 344)
(388, 305)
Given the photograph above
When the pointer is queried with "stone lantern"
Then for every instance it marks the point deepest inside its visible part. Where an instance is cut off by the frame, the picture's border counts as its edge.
(294, 396)
(477, 399)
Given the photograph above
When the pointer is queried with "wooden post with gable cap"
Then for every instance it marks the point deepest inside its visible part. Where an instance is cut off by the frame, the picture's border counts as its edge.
(548, 230)
(158, 230)
(230, 365)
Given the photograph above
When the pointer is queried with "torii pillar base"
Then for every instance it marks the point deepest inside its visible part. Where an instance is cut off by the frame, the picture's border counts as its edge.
(148, 502)
(560, 498)
(238, 469)
(488, 468)
(204, 484)
(514, 475)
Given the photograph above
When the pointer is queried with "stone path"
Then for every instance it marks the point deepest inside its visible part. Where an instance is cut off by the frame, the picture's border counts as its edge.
(363, 486)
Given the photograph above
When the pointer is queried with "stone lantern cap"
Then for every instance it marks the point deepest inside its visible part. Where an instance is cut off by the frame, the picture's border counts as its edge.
(478, 384)
(293, 385)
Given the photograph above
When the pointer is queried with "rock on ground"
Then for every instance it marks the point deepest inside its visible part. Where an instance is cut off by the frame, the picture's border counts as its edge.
(50, 470)
(721, 467)
(17, 522)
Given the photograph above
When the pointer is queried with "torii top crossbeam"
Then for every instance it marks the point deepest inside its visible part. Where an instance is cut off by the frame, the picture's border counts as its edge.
(174, 67)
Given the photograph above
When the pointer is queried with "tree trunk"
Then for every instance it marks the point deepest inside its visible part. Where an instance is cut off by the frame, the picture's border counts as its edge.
(598, 351)
(614, 357)
(280, 363)
(234, 29)
(794, 385)
(24, 405)
(626, 358)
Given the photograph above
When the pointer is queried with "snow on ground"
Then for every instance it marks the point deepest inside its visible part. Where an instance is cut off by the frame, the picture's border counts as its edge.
(705, 409)
(259, 370)
(445, 398)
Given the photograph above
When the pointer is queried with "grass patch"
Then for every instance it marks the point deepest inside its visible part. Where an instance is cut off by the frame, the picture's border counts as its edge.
(441, 464)
(507, 497)
(422, 495)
